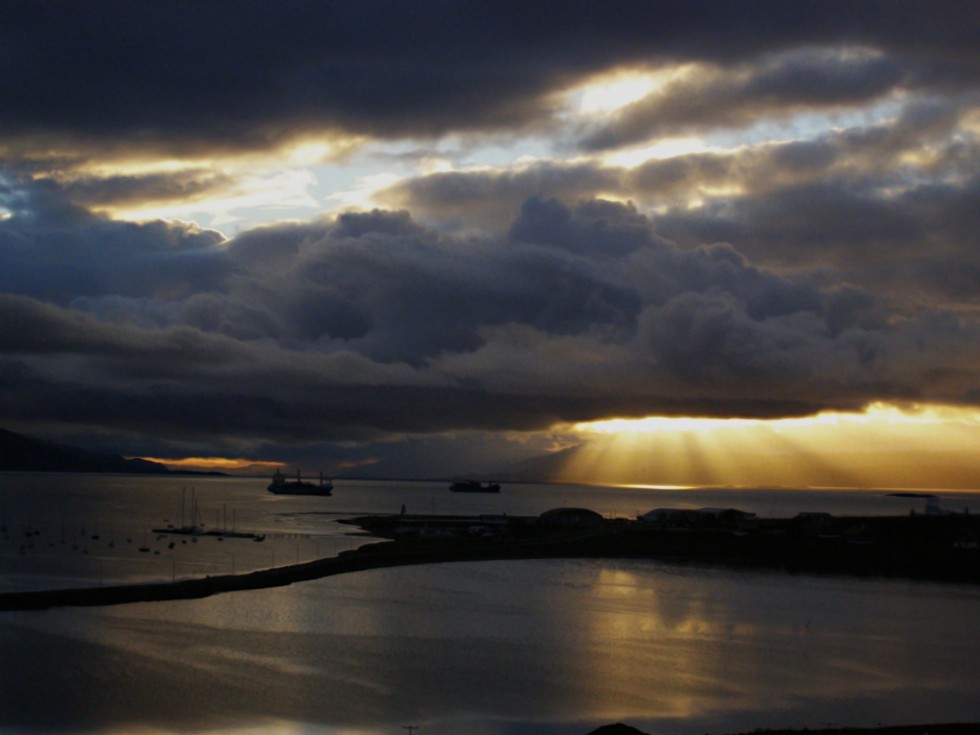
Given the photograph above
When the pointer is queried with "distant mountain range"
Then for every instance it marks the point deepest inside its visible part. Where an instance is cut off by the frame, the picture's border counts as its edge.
(19, 453)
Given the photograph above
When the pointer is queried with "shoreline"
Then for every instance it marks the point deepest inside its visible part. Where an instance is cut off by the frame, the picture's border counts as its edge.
(920, 548)
(947, 728)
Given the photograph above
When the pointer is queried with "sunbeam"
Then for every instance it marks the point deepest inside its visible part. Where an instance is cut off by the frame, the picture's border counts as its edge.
(883, 446)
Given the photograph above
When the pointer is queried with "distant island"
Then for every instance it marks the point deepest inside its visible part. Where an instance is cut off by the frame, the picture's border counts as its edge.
(19, 453)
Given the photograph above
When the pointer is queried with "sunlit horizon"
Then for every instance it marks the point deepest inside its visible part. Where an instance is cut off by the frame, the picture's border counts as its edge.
(885, 446)
(916, 446)
(213, 463)
(924, 413)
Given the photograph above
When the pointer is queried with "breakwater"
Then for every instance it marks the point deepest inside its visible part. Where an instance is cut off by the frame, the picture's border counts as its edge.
(941, 549)
(376, 556)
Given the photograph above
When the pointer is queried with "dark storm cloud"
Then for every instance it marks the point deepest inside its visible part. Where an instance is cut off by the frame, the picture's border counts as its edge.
(229, 75)
(775, 279)
(850, 204)
(96, 192)
(725, 97)
(394, 290)
(918, 244)
(891, 207)
(488, 199)
(865, 158)
(56, 250)
(372, 326)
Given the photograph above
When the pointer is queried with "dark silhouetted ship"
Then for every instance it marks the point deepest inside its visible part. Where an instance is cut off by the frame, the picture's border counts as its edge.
(474, 486)
(281, 486)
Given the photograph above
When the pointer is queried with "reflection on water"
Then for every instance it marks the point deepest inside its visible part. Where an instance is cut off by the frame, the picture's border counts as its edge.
(58, 529)
(495, 648)
(90, 530)
(504, 647)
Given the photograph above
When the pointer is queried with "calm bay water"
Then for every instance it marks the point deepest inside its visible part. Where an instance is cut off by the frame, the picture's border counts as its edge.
(493, 647)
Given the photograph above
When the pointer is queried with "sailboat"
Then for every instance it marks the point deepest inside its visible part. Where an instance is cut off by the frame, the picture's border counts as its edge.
(196, 527)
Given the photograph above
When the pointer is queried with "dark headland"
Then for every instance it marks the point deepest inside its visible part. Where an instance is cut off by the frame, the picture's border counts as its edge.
(20, 453)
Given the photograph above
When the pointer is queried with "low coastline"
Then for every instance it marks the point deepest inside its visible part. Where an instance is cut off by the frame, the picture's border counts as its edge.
(955, 728)
(940, 549)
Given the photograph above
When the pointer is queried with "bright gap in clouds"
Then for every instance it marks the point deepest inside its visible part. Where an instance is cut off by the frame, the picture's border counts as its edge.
(289, 183)
(285, 193)
(665, 148)
(212, 463)
(611, 93)
(887, 446)
(915, 415)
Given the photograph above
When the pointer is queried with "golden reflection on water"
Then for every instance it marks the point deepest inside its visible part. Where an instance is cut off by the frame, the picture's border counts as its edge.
(576, 641)
(669, 644)
(627, 613)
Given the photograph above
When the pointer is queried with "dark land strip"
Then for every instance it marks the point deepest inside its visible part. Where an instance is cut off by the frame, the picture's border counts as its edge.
(942, 548)
(959, 728)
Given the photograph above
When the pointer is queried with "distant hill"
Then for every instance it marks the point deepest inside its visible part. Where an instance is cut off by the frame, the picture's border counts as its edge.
(543, 468)
(23, 454)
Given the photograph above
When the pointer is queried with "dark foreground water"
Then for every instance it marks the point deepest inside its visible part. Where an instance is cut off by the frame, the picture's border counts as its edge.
(493, 647)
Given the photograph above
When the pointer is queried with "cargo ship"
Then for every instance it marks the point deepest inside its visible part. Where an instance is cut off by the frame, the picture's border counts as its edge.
(474, 486)
(281, 486)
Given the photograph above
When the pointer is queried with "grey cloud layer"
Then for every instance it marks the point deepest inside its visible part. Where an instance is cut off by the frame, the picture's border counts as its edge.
(372, 326)
(187, 76)
(824, 271)
(56, 250)
(891, 207)
(774, 87)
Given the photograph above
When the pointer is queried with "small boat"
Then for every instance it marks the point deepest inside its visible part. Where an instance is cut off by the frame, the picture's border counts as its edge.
(281, 486)
(474, 486)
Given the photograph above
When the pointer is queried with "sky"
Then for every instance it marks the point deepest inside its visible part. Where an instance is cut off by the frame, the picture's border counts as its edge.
(431, 238)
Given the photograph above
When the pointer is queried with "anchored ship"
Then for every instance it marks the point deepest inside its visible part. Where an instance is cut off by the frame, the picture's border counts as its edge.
(281, 486)
(474, 486)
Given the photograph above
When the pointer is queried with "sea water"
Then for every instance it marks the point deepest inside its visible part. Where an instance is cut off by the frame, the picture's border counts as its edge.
(60, 530)
(556, 646)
